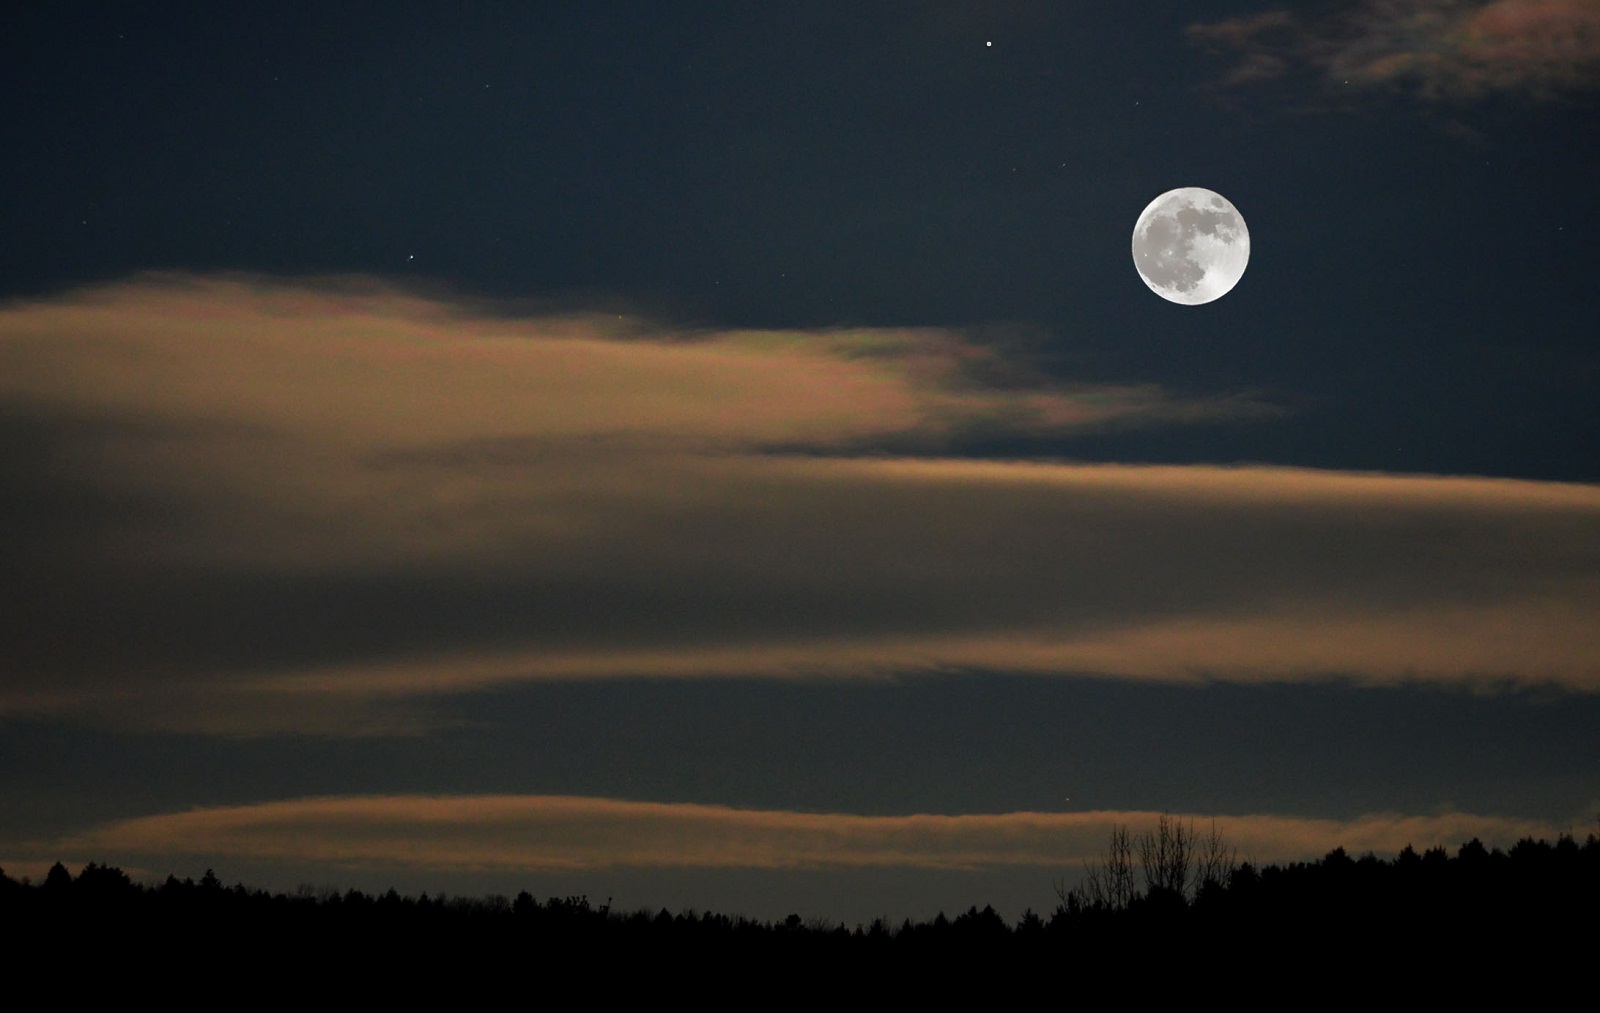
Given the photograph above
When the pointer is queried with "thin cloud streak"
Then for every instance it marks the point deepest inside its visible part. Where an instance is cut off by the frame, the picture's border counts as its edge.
(248, 507)
(1438, 50)
(352, 361)
(562, 833)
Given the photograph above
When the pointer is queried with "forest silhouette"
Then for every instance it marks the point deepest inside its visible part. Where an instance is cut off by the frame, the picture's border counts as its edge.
(1171, 903)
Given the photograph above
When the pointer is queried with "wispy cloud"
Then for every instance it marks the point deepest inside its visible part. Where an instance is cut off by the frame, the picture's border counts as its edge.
(562, 833)
(244, 506)
(1436, 49)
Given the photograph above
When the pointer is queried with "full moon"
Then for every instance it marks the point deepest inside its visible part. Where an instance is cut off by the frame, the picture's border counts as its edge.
(1190, 246)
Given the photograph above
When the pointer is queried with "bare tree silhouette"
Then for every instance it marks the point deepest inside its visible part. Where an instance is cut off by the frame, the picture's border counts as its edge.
(1108, 883)
(1215, 861)
(1166, 855)
(1177, 862)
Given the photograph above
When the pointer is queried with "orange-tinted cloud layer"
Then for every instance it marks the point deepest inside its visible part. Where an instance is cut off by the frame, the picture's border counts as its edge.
(247, 506)
(1438, 49)
(560, 833)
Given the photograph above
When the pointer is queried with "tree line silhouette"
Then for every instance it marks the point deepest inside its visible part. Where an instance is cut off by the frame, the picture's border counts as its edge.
(1172, 898)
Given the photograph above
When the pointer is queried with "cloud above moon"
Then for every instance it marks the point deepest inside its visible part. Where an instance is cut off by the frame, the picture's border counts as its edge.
(1437, 50)
(245, 506)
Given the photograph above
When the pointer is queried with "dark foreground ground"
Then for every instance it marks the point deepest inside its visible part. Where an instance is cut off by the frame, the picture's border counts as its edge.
(1477, 926)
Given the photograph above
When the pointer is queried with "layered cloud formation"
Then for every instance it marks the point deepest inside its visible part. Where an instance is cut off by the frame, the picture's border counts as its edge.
(1436, 49)
(542, 833)
(248, 506)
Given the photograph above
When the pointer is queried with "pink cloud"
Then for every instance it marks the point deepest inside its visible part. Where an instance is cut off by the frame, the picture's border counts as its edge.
(564, 833)
(1437, 49)
(266, 507)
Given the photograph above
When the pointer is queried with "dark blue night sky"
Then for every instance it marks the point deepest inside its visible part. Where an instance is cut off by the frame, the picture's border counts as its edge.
(707, 405)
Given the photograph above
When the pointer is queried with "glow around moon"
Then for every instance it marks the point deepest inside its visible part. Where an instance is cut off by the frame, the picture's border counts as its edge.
(1191, 246)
